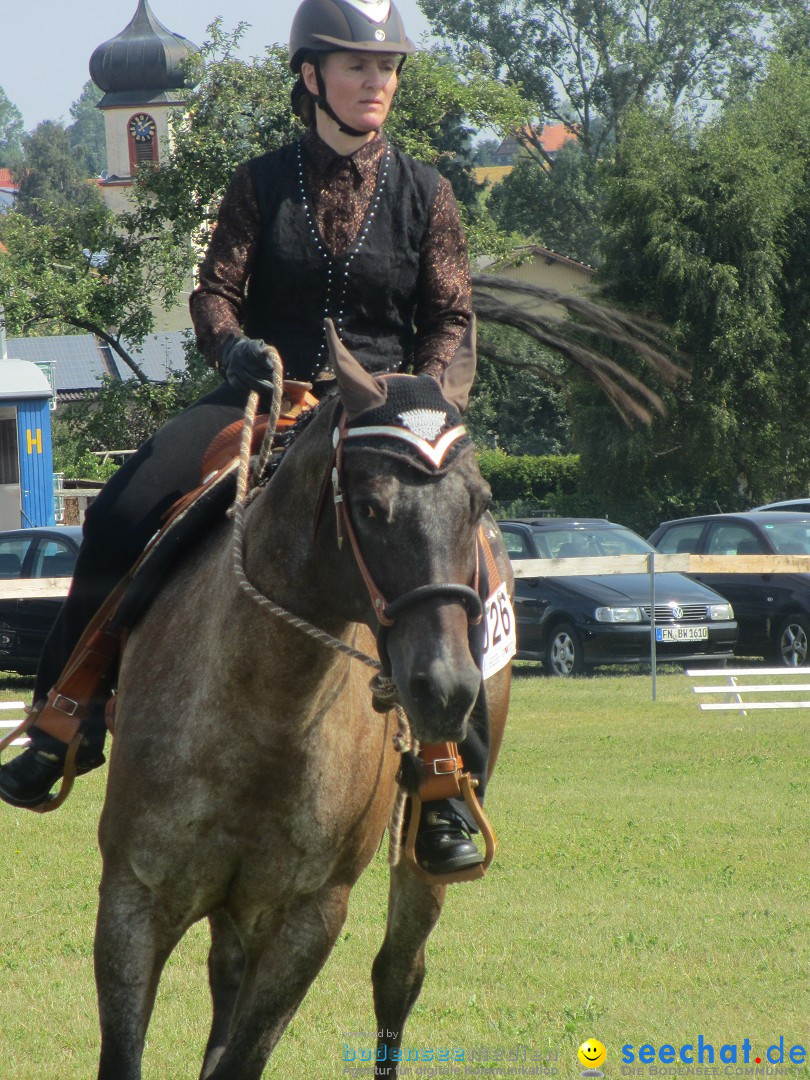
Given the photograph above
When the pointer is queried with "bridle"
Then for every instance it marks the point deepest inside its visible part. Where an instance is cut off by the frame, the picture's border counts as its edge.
(388, 611)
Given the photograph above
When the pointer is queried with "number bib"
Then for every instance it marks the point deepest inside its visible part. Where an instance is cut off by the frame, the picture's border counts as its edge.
(500, 643)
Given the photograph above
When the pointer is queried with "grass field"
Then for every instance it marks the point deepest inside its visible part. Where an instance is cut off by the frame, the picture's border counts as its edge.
(651, 887)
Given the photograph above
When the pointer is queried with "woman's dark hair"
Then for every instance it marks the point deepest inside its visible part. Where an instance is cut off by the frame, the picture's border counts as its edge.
(302, 102)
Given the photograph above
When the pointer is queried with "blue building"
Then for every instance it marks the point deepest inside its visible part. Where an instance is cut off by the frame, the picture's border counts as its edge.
(26, 456)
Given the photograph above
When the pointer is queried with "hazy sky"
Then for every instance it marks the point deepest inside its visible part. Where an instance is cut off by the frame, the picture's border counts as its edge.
(45, 45)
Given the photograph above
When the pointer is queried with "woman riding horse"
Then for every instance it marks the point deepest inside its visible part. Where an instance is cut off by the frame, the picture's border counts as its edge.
(340, 224)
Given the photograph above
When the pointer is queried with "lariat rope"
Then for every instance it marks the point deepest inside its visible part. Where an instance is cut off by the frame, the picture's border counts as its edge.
(383, 688)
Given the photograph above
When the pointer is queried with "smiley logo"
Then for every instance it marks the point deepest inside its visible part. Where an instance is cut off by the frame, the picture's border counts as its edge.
(592, 1053)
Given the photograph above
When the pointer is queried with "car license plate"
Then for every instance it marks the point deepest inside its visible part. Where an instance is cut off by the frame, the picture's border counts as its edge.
(681, 633)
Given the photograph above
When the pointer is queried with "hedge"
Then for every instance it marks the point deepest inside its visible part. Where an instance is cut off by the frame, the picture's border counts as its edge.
(526, 484)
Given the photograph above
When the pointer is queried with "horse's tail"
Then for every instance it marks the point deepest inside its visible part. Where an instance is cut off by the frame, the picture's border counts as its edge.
(573, 326)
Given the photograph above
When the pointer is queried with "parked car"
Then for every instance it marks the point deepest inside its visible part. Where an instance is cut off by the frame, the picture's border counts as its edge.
(24, 624)
(795, 506)
(571, 623)
(773, 610)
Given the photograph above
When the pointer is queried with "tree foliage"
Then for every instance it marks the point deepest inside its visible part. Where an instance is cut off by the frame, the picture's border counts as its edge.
(707, 231)
(51, 176)
(76, 268)
(86, 133)
(515, 409)
(11, 131)
(585, 63)
(561, 208)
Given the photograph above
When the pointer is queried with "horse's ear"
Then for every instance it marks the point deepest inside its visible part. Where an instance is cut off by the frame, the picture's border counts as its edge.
(358, 390)
(457, 377)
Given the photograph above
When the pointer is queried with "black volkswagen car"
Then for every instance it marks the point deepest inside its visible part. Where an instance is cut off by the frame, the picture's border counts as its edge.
(773, 610)
(571, 623)
(24, 623)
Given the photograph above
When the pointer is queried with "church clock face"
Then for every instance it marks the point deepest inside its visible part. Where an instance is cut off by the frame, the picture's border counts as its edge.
(142, 128)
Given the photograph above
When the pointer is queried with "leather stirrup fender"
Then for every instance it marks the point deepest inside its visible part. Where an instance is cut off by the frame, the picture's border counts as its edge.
(439, 767)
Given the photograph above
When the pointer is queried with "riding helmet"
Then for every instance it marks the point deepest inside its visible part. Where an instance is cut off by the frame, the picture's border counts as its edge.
(323, 26)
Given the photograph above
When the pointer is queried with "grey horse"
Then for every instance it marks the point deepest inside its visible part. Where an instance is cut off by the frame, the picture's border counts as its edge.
(250, 779)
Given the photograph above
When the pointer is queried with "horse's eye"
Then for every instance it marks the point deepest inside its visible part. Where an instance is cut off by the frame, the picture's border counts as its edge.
(366, 510)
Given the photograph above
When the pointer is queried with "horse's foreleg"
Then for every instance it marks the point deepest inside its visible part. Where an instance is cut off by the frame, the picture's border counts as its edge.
(133, 941)
(398, 971)
(284, 954)
(226, 966)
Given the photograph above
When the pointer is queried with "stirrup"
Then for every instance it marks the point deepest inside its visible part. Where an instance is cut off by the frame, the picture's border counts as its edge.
(51, 801)
(472, 873)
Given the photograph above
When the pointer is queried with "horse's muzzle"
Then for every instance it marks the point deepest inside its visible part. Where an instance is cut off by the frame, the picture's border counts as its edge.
(439, 701)
(436, 676)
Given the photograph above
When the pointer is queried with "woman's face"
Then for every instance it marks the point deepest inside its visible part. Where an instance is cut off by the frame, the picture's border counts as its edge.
(359, 86)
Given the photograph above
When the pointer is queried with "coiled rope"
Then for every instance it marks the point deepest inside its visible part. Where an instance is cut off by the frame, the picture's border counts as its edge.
(383, 688)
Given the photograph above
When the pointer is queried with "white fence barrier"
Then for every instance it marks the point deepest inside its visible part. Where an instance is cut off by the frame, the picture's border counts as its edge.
(34, 588)
(13, 706)
(744, 690)
(655, 563)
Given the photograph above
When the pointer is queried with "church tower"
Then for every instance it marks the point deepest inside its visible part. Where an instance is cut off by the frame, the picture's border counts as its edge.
(141, 73)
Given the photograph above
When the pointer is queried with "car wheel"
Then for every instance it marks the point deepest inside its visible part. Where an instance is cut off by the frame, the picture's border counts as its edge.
(793, 641)
(563, 652)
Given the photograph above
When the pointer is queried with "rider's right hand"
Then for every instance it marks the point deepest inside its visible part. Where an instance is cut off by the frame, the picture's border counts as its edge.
(246, 364)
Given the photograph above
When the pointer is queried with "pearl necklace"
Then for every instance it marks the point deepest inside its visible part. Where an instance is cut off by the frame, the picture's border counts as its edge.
(335, 300)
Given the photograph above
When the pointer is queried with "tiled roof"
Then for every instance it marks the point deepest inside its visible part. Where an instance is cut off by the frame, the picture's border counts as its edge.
(81, 360)
(538, 251)
(552, 137)
(160, 354)
(6, 180)
(78, 361)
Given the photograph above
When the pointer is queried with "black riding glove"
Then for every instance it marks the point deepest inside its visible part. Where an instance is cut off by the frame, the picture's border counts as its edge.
(245, 363)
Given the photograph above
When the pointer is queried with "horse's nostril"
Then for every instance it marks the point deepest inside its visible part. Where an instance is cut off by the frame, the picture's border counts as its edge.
(445, 700)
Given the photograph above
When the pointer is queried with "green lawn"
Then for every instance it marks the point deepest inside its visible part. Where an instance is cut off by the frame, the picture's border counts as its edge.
(651, 887)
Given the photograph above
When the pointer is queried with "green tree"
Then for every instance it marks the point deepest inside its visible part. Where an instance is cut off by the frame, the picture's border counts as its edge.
(707, 232)
(51, 176)
(515, 408)
(585, 64)
(485, 151)
(86, 133)
(561, 208)
(80, 270)
(11, 130)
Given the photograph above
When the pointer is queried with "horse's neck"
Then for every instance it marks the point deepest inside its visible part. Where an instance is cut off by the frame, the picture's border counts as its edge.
(282, 557)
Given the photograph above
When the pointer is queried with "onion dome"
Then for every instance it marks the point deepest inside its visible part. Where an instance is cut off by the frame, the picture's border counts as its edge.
(142, 63)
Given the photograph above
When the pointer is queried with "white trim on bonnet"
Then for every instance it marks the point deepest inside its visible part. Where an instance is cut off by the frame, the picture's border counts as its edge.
(434, 453)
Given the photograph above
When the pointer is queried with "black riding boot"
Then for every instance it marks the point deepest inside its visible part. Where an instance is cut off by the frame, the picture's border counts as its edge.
(27, 779)
(443, 842)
